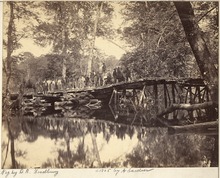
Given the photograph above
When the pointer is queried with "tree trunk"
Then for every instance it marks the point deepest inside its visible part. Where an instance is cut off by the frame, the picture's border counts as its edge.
(188, 107)
(63, 26)
(200, 128)
(90, 62)
(9, 46)
(199, 47)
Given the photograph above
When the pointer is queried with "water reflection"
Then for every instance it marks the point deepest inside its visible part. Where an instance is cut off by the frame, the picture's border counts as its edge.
(84, 137)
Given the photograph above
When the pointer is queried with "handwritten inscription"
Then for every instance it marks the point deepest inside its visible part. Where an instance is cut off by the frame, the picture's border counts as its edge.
(122, 171)
(8, 173)
(13, 173)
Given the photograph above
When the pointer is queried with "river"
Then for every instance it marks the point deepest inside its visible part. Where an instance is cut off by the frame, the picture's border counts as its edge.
(85, 138)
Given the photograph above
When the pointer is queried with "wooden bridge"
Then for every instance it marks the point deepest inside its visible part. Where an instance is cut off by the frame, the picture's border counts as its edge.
(104, 92)
(186, 99)
(171, 89)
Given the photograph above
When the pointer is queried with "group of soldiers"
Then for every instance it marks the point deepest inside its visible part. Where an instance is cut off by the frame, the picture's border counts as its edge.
(109, 77)
(50, 85)
(44, 86)
(120, 75)
(101, 78)
(96, 79)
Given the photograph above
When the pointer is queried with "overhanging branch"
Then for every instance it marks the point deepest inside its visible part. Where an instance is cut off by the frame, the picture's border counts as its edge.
(206, 13)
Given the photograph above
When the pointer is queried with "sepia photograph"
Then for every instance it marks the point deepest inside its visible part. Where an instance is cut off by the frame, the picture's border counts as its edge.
(109, 84)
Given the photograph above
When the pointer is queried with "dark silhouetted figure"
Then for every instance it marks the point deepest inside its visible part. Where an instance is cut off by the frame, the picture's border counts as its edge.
(120, 76)
(114, 74)
(127, 74)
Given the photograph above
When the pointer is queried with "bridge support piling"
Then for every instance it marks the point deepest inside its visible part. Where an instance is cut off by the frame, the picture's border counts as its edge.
(156, 98)
(173, 92)
(165, 94)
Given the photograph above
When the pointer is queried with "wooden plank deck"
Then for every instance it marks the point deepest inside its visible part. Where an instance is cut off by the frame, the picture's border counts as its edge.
(105, 91)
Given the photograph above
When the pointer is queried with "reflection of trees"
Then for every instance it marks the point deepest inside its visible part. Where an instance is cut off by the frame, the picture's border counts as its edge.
(81, 157)
(121, 131)
(27, 128)
(95, 156)
(12, 121)
(155, 148)
(71, 159)
(6, 148)
(161, 150)
(67, 158)
(54, 127)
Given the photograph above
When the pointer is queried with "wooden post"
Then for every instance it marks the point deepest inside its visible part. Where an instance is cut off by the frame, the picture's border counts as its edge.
(195, 95)
(199, 94)
(115, 100)
(142, 95)
(203, 95)
(124, 93)
(174, 99)
(165, 94)
(113, 93)
(199, 113)
(156, 97)
(135, 97)
(186, 97)
(168, 94)
(207, 93)
(190, 101)
(178, 93)
(173, 92)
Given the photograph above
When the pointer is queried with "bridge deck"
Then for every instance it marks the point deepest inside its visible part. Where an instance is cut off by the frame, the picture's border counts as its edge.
(147, 81)
(102, 91)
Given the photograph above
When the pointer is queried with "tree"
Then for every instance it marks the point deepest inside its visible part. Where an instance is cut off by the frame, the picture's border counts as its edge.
(15, 13)
(56, 30)
(153, 28)
(207, 18)
(71, 29)
(203, 57)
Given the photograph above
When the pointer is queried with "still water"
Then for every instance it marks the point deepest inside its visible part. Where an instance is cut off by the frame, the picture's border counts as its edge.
(85, 138)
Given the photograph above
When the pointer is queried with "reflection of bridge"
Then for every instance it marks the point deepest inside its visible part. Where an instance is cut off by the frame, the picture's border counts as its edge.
(182, 99)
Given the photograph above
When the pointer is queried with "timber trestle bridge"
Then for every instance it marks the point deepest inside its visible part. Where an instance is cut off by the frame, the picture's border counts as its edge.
(184, 100)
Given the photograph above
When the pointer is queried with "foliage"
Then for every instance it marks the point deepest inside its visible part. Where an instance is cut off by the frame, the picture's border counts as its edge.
(15, 13)
(160, 45)
(153, 29)
(70, 28)
(204, 59)
(207, 14)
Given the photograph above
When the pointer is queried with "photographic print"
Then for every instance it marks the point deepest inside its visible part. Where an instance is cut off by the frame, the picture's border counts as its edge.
(101, 84)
